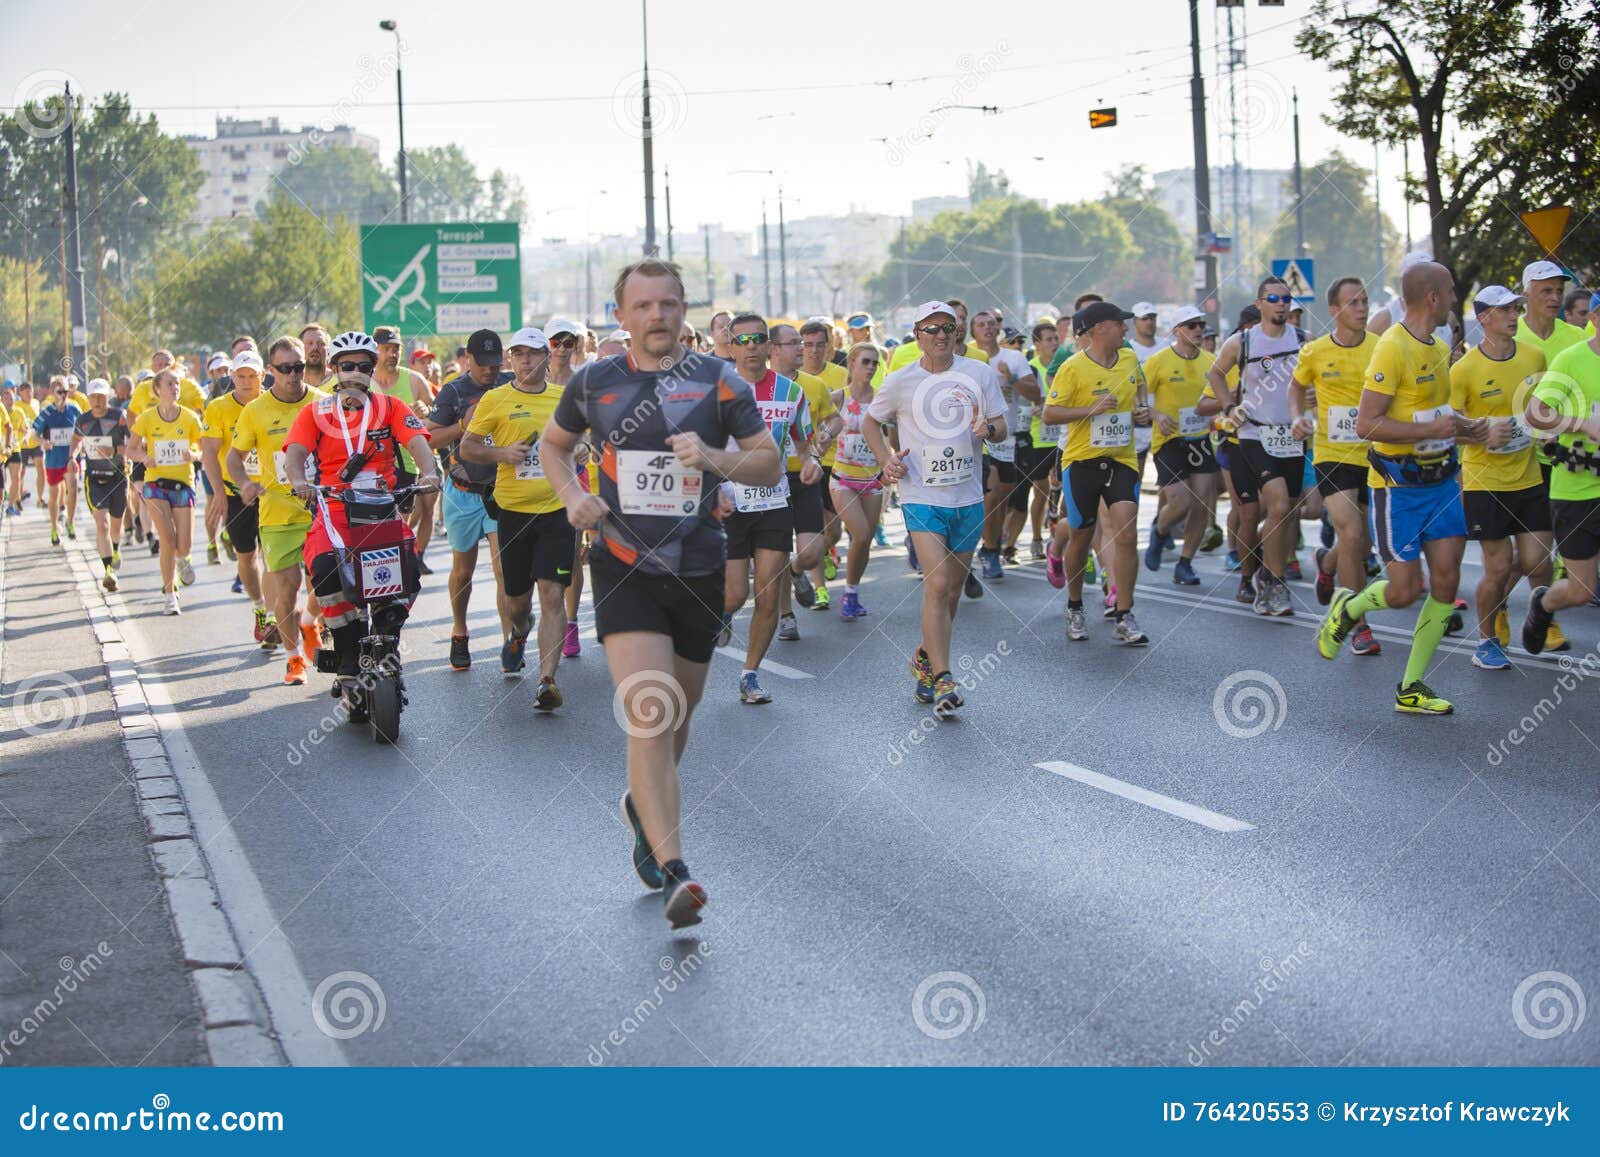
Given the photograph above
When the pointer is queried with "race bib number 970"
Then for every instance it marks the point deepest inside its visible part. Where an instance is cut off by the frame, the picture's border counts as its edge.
(654, 482)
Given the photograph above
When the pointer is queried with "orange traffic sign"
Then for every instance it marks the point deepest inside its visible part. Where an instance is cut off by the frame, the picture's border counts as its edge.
(1548, 225)
(1102, 118)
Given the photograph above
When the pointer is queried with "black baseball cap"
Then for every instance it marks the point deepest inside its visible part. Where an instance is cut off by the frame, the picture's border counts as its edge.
(484, 346)
(386, 335)
(1095, 312)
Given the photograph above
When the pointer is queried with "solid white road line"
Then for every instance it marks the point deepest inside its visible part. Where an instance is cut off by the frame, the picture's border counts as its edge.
(1194, 813)
(766, 664)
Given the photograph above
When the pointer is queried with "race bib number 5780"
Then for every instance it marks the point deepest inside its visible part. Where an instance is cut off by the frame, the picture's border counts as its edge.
(654, 482)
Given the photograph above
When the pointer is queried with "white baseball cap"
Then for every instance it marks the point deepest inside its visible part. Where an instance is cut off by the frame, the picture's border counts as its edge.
(1542, 271)
(562, 325)
(144, 375)
(1413, 259)
(1491, 296)
(247, 360)
(928, 308)
(1143, 309)
(217, 359)
(531, 336)
(99, 386)
(1185, 314)
(620, 334)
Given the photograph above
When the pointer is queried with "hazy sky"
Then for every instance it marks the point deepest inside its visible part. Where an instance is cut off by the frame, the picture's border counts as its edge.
(799, 90)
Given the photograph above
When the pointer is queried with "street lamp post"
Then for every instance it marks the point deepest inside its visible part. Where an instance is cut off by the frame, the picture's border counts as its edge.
(400, 106)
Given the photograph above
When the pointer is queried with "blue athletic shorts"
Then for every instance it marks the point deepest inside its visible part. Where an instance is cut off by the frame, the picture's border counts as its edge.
(465, 520)
(1405, 517)
(960, 526)
(1308, 480)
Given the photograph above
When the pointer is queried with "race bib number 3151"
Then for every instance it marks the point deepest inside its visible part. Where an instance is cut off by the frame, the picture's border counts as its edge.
(654, 482)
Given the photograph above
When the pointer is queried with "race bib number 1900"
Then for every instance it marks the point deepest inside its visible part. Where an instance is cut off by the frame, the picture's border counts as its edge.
(1111, 431)
(654, 482)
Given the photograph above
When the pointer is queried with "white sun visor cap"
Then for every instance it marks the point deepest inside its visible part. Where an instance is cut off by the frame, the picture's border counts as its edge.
(530, 336)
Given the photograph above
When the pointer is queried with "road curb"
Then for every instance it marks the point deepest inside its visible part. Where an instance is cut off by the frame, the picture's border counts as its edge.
(238, 1029)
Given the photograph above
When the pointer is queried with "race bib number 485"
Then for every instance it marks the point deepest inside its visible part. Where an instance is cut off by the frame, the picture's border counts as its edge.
(654, 482)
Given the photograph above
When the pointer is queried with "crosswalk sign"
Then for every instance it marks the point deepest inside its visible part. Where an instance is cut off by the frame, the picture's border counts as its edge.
(1299, 274)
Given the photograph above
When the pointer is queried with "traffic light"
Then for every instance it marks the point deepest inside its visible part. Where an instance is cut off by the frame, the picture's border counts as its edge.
(1102, 118)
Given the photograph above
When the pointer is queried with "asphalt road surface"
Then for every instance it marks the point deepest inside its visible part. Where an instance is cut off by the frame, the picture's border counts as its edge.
(1216, 849)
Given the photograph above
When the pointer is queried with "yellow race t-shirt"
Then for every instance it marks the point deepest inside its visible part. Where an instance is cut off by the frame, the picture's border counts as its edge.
(144, 397)
(22, 416)
(1417, 376)
(259, 433)
(169, 444)
(1482, 387)
(218, 422)
(1175, 384)
(1081, 380)
(507, 415)
(909, 351)
(819, 398)
(1562, 335)
(1336, 373)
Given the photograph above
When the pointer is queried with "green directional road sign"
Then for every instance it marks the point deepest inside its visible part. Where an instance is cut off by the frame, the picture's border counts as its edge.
(442, 279)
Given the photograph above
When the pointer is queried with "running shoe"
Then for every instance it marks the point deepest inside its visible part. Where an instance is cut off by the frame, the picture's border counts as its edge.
(1055, 570)
(109, 581)
(1536, 625)
(116, 559)
(227, 545)
(644, 860)
(1489, 656)
(1008, 555)
(172, 607)
(1110, 601)
(72, 533)
(911, 556)
(750, 690)
(1183, 574)
(213, 555)
(1374, 567)
(1292, 572)
(1502, 627)
(1328, 536)
(992, 570)
(1091, 570)
(238, 585)
(1077, 625)
(973, 588)
(788, 629)
(310, 639)
(878, 536)
(1213, 538)
(460, 653)
(1152, 552)
(548, 697)
(725, 635)
(805, 592)
(259, 631)
(1324, 583)
(922, 669)
(1554, 640)
(683, 898)
(1168, 542)
(1037, 550)
(1282, 599)
(946, 696)
(294, 674)
(185, 571)
(138, 531)
(1362, 642)
(1458, 622)
(55, 537)
(1418, 699)
(422, 566)
(1247, 591)
(513, 657)
(570, 647)
(830, 565)
(269, 637)
(1335, 625)
(1263, 604)
(850, 607)
(824, 600)
(1231, 563)
(1127, 632)
(155, 546)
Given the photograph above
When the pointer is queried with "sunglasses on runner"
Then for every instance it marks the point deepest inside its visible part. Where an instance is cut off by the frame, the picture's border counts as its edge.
(749, 339)
(1277, 299)
(288, 369)
(948, 327)
(1197, 323)
(564, 342)
(363, 366)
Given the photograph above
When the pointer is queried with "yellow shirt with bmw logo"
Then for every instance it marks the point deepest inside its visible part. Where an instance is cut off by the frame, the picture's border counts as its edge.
(144, 397)
(507, 415)
(1175, 384)
(1081, 380)
(1417, 376)
(219, 420)
(1336, 374)
(1481, 387)
(181, 435)
(259, 433)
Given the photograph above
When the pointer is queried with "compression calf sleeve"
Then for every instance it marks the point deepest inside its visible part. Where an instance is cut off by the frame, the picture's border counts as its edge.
(1370, 599)
(1431, 623)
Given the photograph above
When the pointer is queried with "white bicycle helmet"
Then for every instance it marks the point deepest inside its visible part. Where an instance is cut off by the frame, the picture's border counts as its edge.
(352, 341)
